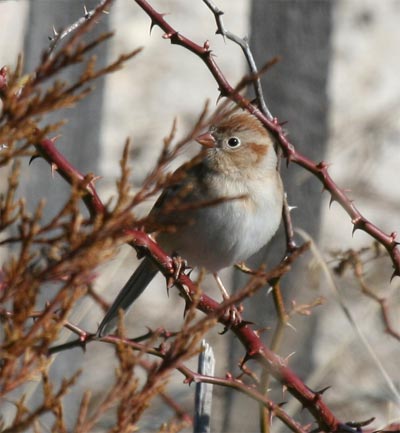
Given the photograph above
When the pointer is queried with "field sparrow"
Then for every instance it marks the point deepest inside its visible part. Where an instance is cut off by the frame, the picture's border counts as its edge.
(239, 163)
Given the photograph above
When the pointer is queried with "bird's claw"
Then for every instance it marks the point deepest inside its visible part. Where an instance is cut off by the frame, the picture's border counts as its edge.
(178, 267)
(233, 318)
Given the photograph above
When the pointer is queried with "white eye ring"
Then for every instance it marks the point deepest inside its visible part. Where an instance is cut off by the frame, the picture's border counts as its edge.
(233, 142)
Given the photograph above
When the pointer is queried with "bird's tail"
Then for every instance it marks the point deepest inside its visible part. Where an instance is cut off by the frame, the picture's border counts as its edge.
(128, 295)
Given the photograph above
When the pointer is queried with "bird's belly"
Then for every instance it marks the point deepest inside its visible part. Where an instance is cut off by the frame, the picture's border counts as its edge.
(217, 239)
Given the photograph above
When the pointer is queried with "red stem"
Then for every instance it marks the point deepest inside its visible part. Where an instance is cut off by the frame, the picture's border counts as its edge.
(49, 152)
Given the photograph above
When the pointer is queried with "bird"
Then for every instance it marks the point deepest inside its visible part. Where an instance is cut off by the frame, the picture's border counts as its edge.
(236, 173)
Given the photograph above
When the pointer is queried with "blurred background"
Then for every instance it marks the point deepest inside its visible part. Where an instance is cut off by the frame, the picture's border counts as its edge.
(337, 85)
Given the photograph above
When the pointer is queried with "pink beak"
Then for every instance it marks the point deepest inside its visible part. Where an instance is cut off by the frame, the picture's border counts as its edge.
(206, 140)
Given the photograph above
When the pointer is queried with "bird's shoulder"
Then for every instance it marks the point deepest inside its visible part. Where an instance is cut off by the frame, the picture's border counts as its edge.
(190, 182)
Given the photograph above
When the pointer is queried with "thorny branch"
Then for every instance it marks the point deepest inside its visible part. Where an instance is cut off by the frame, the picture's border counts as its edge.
(244, 45)
(88, 15)
(352, 258)
(192, 376)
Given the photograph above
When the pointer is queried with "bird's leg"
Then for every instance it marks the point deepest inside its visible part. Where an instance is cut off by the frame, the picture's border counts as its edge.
(234, 314)
(179, 266)
(221, 286)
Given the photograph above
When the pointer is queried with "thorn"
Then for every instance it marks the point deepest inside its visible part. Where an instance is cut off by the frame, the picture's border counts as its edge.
(243, 267)
(357, 220)
(359, 424)
(86, 13)
(187, 307)
(286, 360)
(322, 165)
(206, 45)
(270, 289)
(152, 25)
(33, 157)
(245, 323)
(332, 200)
(224, 331)
(289, 159)
(322, 391)
(395, 274)
(261, 330)
(55, 33)
(170, 283)
(54, 168)
(283, 123)
(290, 208)
(163, 348)
(246, 357)
(188, 380)
(94, 179)
(291, 326)
(83, 342)
(222, 94)
(55, 138)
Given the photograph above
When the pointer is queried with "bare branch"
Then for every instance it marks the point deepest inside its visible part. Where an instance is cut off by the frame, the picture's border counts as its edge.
(244, 45)
(59, 36)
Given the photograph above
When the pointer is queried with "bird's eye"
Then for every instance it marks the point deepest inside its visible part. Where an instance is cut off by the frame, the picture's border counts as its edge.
(233, 142)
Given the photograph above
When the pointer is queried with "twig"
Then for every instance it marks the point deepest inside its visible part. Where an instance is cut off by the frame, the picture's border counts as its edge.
(354, 323)
(291, 245)
(230, 382)
(48, 151)
(59, 36)
(353, 257)
(244, 45)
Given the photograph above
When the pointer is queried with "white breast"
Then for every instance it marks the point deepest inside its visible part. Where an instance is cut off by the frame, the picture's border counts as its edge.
(231, 231)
